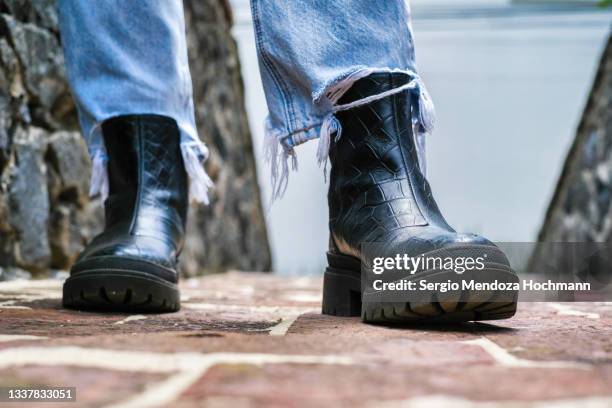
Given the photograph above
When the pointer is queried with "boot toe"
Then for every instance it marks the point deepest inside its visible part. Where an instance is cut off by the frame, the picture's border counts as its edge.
(471, 239)
(149, 250)
(123, 275)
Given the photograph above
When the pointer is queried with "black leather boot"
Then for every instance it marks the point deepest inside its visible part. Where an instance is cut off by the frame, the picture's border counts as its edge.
(131, 265)
(379, 195)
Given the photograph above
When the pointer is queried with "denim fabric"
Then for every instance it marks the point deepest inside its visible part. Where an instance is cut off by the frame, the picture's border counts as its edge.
(311, 51)
(130, 57)
(304, 46)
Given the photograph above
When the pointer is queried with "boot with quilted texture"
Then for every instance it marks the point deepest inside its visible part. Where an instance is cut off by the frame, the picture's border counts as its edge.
(131, 265)
(378, 194)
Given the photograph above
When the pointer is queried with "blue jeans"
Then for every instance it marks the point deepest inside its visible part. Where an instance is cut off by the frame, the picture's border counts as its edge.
(130, 57)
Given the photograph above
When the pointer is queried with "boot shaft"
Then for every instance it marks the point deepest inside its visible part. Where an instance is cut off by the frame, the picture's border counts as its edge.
(376, 138)
(147, 178)
(376, 184)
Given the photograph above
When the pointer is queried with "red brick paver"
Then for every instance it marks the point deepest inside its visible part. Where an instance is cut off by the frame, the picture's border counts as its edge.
(259, 340)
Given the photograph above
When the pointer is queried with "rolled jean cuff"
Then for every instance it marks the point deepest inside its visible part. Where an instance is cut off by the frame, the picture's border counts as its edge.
(194, 152)
(280, 140)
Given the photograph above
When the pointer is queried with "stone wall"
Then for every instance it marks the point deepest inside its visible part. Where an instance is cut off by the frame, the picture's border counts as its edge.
(45, 214)
(581, 209)
(231, 232)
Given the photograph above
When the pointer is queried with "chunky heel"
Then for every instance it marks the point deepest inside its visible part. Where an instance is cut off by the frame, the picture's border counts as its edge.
(341, 293)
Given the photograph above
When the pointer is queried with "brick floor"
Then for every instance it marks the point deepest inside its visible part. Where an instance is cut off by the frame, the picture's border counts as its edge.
(259, 340)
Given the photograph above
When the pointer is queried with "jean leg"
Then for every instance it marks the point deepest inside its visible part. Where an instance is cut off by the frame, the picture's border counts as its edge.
(311, 52)
(130, 57)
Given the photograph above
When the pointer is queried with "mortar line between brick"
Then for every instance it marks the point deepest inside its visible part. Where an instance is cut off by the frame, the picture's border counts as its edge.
(506, 359)
(188, 367)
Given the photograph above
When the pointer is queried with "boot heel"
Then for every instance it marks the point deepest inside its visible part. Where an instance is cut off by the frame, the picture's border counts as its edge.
(341, 293)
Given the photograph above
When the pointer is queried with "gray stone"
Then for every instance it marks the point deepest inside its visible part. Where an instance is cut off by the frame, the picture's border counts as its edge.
(46, 13)
(40, 12)
(67, 154)
(11, 273)
(42, 61)
(66, 242)
(231, 232)
(29, 201)
(20, 9)
(11, 70)
(11, 93)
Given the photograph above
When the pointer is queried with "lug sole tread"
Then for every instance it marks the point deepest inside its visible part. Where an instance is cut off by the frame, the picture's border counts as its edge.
(123, 292)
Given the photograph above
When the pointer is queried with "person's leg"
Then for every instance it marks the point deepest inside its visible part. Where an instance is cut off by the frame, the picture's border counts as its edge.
(309, 55)
(343, 71)
(126, 63)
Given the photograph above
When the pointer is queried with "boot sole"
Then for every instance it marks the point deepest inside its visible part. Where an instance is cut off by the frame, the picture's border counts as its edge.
(115, 290)
(342, 296)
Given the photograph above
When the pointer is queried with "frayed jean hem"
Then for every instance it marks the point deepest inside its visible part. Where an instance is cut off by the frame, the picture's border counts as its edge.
(280, 143)
(193, 151)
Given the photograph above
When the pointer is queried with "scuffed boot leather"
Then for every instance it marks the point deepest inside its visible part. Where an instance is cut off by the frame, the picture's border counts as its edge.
(378, 194)
(132, 264)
